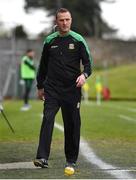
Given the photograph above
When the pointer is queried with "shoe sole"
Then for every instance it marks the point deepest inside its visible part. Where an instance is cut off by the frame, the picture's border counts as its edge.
(38, 164)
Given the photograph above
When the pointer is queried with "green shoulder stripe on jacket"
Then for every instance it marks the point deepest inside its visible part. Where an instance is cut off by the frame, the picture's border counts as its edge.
(50, 37)
(78, 37)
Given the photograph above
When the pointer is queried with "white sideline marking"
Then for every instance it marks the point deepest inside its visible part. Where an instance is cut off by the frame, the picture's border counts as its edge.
(127, 118)
(110, 106)
(91, 157)
(131, 109)
(17, 165)
(124, 108)
(120, 107)
(123, 170)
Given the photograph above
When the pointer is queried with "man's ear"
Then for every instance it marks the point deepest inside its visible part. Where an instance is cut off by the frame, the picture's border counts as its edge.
(55, 27)
(56, 21)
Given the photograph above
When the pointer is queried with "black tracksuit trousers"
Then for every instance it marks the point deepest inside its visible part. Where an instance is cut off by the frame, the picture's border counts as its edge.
(70, 107)
(28, 86)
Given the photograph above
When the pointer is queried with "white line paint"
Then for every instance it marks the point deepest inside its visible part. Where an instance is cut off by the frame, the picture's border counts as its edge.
(17, 165)
(127, 118)
(91, 157)
(131, 109)
(124, 108)
(110, 106)
(120, 107)
(123, 170)
(58, 126)
(29, 165)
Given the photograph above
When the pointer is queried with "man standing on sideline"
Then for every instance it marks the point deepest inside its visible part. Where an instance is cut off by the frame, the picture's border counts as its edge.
(28, 76)
(59, 82)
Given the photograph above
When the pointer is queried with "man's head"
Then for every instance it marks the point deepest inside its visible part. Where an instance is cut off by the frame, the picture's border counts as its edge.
(63, 20)
(30, 53)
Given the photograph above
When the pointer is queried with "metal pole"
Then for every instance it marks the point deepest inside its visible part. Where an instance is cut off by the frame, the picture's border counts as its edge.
(2, 112)
(13, 48)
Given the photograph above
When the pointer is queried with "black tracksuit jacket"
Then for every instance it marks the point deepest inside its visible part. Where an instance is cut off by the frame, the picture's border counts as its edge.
(61, 60)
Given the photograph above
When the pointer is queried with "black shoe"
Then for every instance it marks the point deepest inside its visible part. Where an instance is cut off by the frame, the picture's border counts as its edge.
(69, 164)
(43, 163)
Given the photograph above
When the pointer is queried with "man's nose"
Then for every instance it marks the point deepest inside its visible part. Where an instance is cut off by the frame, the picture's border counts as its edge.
(64, 22)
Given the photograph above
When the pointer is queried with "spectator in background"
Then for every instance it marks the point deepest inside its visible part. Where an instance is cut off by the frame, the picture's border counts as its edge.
(98, 87)
(85, 90)
(106, 93)
(27, 75)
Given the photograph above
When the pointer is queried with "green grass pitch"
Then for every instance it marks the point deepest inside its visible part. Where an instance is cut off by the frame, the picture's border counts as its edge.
(110, 129)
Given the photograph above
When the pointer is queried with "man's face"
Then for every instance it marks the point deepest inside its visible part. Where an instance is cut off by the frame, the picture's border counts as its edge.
(31, 54)
(63, 22)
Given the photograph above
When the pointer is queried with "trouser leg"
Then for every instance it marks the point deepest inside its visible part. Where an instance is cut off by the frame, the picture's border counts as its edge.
(72, 122)
(51, 107)
(28, 85)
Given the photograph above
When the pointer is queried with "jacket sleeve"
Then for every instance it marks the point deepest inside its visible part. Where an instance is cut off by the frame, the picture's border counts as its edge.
(86, 58)
(31, 66)
(43, 67)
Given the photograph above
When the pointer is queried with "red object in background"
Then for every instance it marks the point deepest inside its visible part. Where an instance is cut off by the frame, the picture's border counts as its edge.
(106, 93)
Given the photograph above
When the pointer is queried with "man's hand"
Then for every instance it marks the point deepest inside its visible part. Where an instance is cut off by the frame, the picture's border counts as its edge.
(80, 80)
(41, 94)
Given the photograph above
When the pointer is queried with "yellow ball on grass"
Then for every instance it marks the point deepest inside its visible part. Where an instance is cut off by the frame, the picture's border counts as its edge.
(69, 171)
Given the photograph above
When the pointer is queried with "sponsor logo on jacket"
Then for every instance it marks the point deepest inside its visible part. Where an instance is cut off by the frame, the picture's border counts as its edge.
(71, 46)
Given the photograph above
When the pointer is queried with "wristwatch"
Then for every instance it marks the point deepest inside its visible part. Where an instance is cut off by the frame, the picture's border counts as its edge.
(86, 75)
